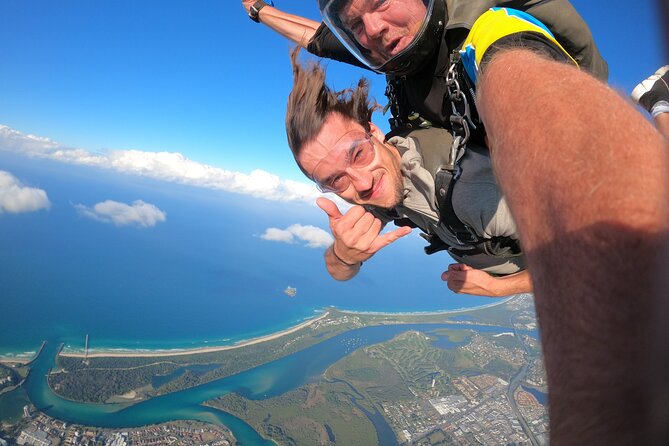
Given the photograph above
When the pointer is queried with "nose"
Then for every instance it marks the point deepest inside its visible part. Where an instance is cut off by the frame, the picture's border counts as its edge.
(374, 25)
(361, 180)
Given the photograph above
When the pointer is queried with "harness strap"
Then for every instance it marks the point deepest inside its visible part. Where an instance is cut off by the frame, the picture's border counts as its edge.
(444, 185)
(496, 246)
(473, 243)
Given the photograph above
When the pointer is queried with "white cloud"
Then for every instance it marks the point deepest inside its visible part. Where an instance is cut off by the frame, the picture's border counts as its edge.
(278, 235)
(15, 197)
(167, 166)
(312, 236)
(138, 213)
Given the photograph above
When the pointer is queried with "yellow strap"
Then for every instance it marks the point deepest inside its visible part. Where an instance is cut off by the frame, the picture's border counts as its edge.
(497, 23)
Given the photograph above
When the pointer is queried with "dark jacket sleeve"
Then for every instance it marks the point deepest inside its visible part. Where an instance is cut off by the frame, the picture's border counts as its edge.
(571, 31)
(325, 44)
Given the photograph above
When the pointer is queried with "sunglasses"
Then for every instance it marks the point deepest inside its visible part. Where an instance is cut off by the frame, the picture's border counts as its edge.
(353, 152)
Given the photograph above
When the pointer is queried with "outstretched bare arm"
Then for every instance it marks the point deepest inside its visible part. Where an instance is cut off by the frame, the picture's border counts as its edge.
(586, 177)
(298, 29)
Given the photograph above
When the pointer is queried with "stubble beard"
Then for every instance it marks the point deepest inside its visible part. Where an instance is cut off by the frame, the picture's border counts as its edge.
(398, 194)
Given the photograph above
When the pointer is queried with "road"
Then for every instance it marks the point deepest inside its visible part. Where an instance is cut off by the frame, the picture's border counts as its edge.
(513, 385)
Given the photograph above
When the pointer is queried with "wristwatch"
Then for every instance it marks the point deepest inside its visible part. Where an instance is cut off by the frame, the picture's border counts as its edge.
(255, 9)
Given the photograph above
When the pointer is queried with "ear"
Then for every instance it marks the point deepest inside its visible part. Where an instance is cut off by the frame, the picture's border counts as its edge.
(377, 132)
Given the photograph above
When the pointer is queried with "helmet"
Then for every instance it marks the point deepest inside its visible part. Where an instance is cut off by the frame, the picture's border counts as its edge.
(389, 36)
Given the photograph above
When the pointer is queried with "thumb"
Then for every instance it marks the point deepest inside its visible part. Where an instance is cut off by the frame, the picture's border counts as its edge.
(444, 276)
(329, 207)
(459, 267)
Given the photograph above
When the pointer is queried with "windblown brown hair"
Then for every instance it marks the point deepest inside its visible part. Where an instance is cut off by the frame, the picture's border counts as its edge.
(311, 101)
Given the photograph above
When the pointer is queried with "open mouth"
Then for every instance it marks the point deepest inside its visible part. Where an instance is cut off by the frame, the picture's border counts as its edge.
(396, 45)
(392, 46)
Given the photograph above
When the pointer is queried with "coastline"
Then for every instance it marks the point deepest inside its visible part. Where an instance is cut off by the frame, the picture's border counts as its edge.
(21, 359)
(500, 301)
(194, 351)
(117, 353)
(9, 360)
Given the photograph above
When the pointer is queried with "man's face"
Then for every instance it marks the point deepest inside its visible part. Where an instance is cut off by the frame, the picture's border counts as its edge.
(384, 27)
(330, 159)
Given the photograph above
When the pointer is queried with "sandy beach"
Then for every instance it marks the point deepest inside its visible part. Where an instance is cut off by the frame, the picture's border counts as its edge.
(8, 360)
(193, 351)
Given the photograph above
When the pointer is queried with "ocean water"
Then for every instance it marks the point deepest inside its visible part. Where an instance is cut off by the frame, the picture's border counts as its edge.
(202, 277)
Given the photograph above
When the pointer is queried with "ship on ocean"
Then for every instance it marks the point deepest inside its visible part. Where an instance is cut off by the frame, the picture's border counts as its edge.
(290, 291)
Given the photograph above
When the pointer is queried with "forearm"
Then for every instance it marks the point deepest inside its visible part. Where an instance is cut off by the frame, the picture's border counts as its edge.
(586, 180)
(462, 278)
(512, 284)
(298, 29)
(339, 269)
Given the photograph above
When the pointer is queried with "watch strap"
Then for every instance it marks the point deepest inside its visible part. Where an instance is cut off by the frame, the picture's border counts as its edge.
(255, 9)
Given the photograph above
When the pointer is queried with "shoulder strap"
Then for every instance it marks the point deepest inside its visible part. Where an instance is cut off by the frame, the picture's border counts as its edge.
(444, 183)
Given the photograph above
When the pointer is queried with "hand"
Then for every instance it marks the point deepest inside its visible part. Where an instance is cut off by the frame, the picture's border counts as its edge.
(247, 4)
(357, 234)
(462, 278)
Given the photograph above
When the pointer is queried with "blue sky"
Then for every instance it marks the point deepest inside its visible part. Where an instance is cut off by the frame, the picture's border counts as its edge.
(199, 78)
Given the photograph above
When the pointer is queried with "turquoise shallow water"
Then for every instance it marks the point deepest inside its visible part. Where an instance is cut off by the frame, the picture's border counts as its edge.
(266, 381)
